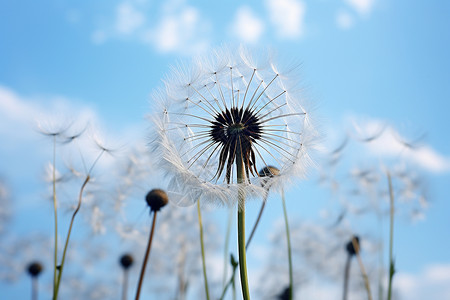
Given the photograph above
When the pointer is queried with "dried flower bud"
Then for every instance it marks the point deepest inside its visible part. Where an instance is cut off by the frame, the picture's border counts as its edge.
(353, 246)
(126, 261)
(34, 269)
(269, 171)
(156, 199)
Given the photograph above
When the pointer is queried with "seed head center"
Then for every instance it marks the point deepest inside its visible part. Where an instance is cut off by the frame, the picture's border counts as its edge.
(235, 129)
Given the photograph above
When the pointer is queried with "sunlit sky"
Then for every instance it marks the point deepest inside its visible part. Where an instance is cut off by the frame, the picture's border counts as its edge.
(374, 63)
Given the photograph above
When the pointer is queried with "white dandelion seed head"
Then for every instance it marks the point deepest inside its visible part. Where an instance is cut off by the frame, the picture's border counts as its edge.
(224, 108)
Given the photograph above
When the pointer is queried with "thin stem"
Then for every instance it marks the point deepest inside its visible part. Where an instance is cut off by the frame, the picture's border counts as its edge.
(391, 237)
(288, 238)
(202, 245)
(34, 288)
(363, 270)
(241, 227)
(346, 276)
(55, 206)
(147, 254)
(257, 220)
(61, 267)
(226, 246)
(125, 284)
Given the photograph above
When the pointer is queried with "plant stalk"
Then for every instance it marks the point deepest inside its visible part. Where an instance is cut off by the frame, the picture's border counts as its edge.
(241, 227)
(391, 237)
(147, 254)
(202, 245)
(346, 276)
(288, 238)
(61, 267)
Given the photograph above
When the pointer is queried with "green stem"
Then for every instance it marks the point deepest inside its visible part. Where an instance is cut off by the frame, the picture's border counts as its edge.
(34, 288)
(391, 237)
(241, 228)
(257, 221)
(202, 245)
(225, 251)
(61, 267)
(147, 254)
(346, 276)
(55, 206)
(125, 284)
(288, 238)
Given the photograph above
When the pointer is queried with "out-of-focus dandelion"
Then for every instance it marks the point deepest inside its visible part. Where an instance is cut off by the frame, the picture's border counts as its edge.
(220, 120)
(156, 199)
(352, 247)
(34, 269)
(126, 261)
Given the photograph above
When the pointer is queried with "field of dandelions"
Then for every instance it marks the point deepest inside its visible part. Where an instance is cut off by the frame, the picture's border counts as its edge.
(172, 217)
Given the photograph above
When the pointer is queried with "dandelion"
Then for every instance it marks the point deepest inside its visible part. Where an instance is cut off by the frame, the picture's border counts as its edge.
(34, 269)
(223, 118)
(156, 199)
(126, 261)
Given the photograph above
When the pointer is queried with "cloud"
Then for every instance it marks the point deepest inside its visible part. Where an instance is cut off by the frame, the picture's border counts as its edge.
(175, 27)
(179, 31)
(344, 20)
(287, 16)
(128, 18)
(363, 7)
(430, 283)
(390, 143)
(247, 26)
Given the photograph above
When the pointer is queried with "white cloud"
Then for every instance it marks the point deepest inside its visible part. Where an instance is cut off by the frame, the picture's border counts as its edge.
(363, 7)
(287, 16)
(344, 20)
(247, 26)
(128, 18)
(430, 283)
(180, 31)
(176, 26)
(390, 143)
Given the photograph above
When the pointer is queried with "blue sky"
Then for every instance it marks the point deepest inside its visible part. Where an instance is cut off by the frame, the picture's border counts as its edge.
(373, 63)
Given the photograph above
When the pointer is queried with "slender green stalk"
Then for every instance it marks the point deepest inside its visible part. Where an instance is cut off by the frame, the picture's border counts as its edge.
(257, 220)
(288, 238)
(61, 267)
(147, 254)
(202, 245)
(346, 276)
(225, 251)
(391, 237)
(34, 288)
(55, 206)
(241, 229)
(363, 270)
(125, 284)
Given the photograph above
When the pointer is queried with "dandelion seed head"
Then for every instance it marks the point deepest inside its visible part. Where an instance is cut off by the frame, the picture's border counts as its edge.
(126, 261)
(34, 269)
(156, 199)
(224, 110)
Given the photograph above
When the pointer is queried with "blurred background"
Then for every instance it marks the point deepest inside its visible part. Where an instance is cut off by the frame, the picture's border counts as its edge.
(376, 73)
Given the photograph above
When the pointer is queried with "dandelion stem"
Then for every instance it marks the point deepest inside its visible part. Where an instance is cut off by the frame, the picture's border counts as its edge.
(363, 270)
(241, 227)
(225, 252)
(125, 284)
(55, 206)
(202, 245)
(391, 238)
(346, 276)
(34, 288)
(147, 254)
(257, 221)
(80, 197)
(288, 238)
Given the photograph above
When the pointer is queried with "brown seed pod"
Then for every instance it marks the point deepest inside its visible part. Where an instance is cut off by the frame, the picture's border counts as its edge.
(156, 199)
